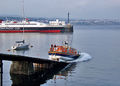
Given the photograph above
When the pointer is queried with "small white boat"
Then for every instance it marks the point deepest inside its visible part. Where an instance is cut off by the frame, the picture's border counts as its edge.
(20, 45)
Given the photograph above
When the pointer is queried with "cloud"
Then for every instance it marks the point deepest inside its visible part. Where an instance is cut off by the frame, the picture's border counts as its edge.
(59, 8)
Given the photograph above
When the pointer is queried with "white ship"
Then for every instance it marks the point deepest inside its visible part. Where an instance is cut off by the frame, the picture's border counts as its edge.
(34, 26)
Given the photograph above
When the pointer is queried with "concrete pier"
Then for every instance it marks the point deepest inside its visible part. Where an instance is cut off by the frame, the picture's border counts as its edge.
(0, 77)
(29, 68)
(30, 71)
(25, 65)
(42, 73)
(1, 72)
(10, 57)
(22, 68)
(69, 28)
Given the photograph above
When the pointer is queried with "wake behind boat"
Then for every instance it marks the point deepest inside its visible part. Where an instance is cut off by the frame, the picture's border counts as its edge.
(65, 53)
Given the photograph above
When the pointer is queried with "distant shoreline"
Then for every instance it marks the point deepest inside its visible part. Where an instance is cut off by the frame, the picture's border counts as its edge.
(72, 21)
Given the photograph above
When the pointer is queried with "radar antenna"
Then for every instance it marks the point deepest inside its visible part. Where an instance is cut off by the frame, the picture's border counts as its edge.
(68, 18)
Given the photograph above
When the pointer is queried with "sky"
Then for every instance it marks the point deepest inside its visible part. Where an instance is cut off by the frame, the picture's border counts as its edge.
(79, 9)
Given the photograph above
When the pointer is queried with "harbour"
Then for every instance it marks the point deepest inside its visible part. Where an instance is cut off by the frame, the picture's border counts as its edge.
(59, 43)
(97, 63)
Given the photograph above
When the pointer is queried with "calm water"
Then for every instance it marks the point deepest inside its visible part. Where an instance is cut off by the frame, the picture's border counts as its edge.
(102, 43)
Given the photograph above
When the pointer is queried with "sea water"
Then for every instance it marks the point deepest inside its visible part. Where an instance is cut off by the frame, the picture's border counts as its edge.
(98, 64)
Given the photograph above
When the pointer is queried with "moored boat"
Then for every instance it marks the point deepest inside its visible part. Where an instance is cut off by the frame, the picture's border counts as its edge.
(65, 53)
(20, 45)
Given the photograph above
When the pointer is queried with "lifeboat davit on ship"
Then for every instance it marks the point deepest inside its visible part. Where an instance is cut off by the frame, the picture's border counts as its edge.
(65, 53)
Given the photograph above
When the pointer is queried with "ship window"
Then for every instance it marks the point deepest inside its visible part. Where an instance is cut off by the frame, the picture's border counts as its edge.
(20, 24)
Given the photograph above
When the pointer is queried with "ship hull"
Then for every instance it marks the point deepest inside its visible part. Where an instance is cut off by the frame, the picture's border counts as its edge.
(30, 31)
(35, 29)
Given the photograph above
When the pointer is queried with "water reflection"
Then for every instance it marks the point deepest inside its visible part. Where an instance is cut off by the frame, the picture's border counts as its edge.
(20, 52)
(65, 71)
(41, 43)
(41, 76)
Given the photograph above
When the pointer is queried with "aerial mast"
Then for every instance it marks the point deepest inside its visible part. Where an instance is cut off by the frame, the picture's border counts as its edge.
(68, 18)
(23, 15)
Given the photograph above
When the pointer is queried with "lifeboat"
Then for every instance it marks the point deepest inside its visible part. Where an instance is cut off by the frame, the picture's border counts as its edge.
(65, 53)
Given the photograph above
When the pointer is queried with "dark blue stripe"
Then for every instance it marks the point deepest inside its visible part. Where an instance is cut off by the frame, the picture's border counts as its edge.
(70, 56)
